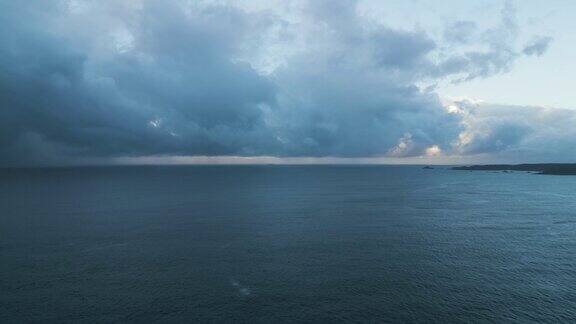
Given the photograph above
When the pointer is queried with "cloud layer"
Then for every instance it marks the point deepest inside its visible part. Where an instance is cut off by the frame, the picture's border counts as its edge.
(516, 133)
(312, 79)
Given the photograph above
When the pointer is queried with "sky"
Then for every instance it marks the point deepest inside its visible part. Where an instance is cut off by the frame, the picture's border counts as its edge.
(292, 81)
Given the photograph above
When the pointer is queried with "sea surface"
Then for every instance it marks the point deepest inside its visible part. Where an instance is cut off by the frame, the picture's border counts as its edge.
(273, 244)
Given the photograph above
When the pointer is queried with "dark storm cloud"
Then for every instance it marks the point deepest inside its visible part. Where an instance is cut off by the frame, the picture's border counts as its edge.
(140, 78)
(176, 92)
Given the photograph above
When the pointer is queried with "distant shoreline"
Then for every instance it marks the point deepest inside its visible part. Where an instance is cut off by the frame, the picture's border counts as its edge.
(542, 168)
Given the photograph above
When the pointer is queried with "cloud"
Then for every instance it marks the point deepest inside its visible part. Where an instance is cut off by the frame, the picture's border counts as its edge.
(488, 52)
(515, 133)
(172, 88)
(149, 78)
(461, 32)
(538, 46)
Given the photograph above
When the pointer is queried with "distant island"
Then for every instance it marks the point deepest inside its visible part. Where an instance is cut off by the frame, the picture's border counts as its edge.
(542, 168)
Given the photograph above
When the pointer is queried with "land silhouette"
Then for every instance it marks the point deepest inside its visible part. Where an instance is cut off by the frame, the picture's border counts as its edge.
(542, 168)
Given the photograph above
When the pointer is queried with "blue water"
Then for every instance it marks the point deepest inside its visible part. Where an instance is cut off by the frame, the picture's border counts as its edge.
(264, 244)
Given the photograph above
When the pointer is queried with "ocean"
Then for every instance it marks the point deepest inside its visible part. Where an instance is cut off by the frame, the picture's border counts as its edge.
(270, 244)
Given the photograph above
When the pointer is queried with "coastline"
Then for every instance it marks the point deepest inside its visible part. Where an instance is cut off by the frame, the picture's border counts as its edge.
(541, 168)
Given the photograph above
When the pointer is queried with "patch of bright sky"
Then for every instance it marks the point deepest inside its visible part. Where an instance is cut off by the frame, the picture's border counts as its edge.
(533, 81)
